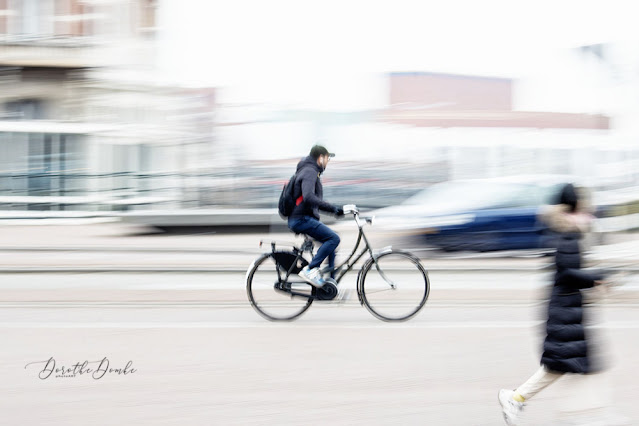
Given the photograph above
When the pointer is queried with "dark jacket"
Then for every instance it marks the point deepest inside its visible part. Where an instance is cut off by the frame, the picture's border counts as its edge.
(566, 348)
(309, 186)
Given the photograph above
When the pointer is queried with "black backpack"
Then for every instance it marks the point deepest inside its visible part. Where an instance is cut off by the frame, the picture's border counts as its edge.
(287, 200)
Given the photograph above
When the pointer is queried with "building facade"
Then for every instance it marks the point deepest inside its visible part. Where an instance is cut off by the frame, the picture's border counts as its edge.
(84, 122)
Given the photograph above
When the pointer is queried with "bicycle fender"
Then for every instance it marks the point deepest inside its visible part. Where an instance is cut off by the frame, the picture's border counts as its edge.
(360, 278)
(359, 282)
(383, 250)
(252, 265)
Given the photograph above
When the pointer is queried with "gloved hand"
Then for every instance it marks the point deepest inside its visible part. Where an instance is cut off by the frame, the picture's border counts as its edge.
(339, 212)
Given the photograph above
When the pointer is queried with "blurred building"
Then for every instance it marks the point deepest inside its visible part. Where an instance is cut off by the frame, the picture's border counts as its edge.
(434, 127)
(84, 122)
(449, 92)
(448, 100)
(473, 121)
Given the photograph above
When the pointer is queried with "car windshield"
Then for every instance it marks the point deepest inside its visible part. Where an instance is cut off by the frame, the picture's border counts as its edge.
(467, 195)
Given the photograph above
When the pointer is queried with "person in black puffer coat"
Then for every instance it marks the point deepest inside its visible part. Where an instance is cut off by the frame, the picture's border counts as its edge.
(566, 348)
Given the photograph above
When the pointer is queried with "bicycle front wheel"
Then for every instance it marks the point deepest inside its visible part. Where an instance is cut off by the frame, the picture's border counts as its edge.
(270, 296)
(395, 289)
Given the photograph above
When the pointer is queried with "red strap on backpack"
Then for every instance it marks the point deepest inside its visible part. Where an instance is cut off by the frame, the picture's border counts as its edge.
(299, 200)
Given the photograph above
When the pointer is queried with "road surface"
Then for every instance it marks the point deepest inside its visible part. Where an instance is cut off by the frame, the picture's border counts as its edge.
(169, 338)
(178, 360)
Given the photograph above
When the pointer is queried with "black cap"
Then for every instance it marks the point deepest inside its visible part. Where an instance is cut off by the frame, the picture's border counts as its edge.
(318, 150)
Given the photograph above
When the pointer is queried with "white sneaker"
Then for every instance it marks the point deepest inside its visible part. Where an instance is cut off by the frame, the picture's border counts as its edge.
(312, 276)
(509, 406)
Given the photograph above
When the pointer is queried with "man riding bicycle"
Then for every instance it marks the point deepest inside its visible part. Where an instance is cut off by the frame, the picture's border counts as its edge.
(308, 194)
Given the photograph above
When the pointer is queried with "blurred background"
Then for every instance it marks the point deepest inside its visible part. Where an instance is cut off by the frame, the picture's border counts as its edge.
(452, 122)
(138, 106)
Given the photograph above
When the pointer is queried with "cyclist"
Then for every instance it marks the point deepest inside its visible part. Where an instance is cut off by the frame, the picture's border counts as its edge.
(305, 219)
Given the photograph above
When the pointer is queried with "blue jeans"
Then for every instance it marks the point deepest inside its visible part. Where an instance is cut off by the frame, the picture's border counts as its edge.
(318, 231)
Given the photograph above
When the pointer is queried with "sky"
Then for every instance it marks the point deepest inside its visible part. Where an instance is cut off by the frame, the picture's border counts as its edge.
(330, 53)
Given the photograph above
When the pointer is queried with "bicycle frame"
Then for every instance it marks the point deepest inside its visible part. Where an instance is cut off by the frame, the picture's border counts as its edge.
(349, 265)
(368, 249)
(346, 265)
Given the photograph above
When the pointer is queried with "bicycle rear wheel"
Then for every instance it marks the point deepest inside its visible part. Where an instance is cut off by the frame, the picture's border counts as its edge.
(406, 273)
(270, 296)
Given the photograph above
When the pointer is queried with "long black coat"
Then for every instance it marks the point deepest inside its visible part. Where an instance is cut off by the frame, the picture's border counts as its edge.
(566, 348)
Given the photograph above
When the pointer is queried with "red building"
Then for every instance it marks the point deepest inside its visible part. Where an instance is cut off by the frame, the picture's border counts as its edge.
(447, 100)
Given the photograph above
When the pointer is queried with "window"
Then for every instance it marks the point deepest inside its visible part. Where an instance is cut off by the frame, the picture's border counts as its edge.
(29, 18)
(25, 109)
(73, 18)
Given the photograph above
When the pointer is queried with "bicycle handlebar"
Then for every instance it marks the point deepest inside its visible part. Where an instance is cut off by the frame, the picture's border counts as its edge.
(352, 209)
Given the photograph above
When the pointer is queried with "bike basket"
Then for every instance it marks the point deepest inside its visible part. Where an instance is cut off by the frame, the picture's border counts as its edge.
(285, 261)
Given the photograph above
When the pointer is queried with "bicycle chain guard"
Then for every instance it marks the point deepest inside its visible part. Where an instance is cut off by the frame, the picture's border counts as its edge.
(286, 260)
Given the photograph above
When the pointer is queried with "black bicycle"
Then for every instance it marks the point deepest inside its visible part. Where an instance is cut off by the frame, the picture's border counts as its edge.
(392, 284)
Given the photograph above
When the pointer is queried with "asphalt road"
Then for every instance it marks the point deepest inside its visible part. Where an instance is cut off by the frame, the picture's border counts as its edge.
(205, 362)
(184, 346)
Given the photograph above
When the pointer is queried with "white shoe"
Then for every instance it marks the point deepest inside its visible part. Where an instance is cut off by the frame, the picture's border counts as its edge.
(510, 407)
(312, 276)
